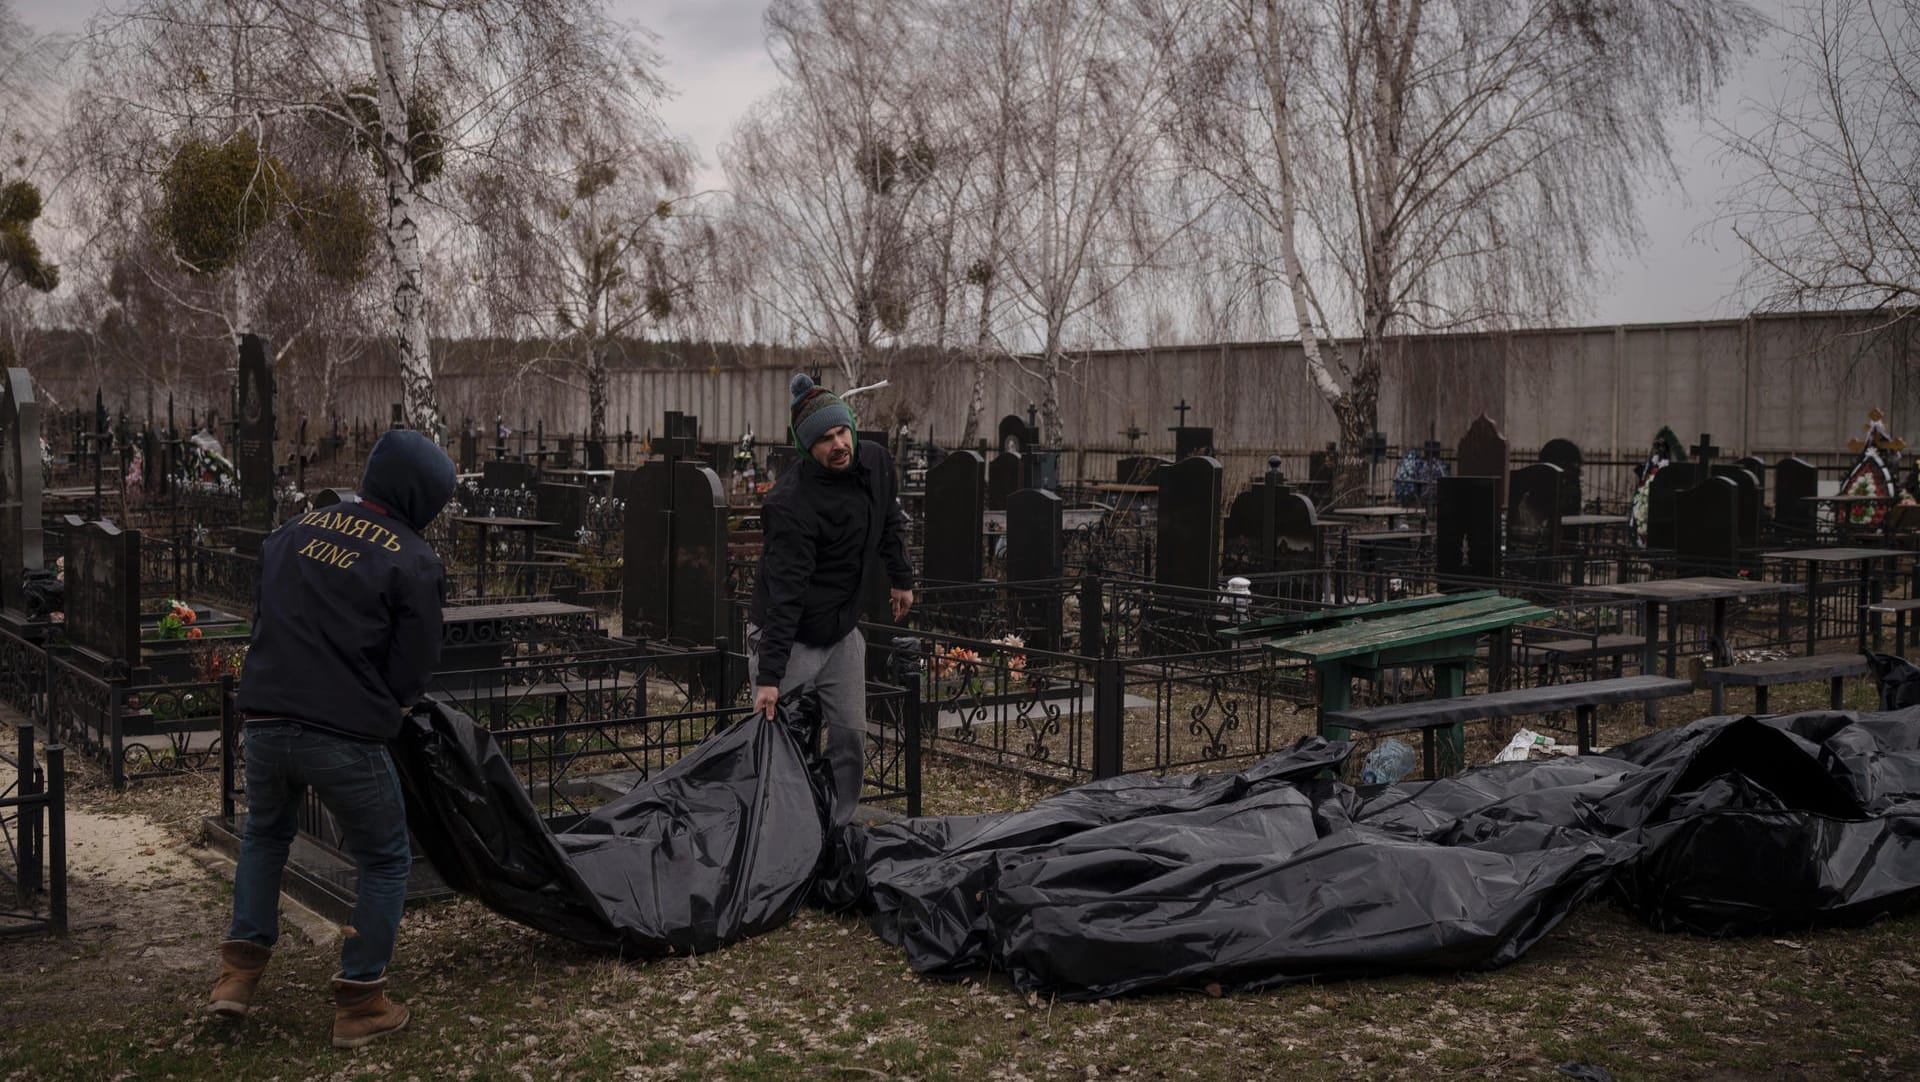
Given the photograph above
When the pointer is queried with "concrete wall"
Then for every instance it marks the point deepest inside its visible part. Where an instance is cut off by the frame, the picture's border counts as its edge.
(1765, 385)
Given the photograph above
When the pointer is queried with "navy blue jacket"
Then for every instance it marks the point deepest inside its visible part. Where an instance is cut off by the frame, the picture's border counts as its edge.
(346, 628)
(823, 528)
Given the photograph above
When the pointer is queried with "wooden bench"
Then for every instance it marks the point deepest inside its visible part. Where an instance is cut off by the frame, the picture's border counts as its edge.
(1582, 698)
(1898, 609)
(1761, 675)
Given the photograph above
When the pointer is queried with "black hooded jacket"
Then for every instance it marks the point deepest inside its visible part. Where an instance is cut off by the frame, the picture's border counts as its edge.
(823, 529)
(346, 630)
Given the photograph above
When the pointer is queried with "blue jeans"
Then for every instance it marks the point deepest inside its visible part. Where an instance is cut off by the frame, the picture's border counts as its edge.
(357, 783)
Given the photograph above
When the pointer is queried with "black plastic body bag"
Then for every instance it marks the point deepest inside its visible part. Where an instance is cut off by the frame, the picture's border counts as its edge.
(1269, 875)
(719, 846)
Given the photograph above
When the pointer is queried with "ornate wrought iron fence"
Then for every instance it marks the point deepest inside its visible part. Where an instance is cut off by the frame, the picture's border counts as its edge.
(33, 833)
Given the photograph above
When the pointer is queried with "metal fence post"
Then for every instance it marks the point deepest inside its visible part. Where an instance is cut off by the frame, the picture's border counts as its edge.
(1092, 634)
(910, 721)
(229, 735)
(57, 837)
(116, 747)
(1109, 744)
(29, 820)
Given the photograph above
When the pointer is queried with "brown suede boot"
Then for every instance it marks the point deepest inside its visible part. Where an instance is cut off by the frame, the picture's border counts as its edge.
(362, 1011)
(241, 963)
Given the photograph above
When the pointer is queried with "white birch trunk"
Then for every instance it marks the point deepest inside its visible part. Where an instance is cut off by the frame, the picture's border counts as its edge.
(402, 229)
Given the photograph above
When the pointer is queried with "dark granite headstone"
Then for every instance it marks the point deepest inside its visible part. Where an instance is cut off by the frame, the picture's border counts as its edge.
(1467, 528)
(469, 450)
(1663, 492)
(1533, 519)
(103, 593)
(564, 460)
(563, 505)
(1795, 481)
(21, 541)
(1190, 440)
(1483, 453)
(1006, 474)
(1043, 470)
(506, 474)
(1034, 554)
(699, 573)
(956, 504)
(647, 562)
(253, 454)
(1291, 543)
(596, 455)
(1566, 455)
(780, 458)
(1188, 552)
(1139, 469)
(1758, 468)
(1747, 519)
(1706, 527)
(1016, 434)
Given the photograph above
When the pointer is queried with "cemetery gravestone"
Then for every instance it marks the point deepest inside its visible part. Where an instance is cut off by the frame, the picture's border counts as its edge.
(469, 450)
(647, 562)
(1662, 493)
(1006, 474)
(21, 540)
(103, 595)
(1034, 554)
(1188, 552)
(1748, 517)
(1467, 528)
(1483, 453)
(596, 455)
(565, 459)
(1795, 483)
(1139, 469)
(1758, 469)
(698, 603)
(1533, 519)
(956, 503)
(563, 505)
(506, 474)
(253, 454)
(1566, 455)
(1016, 435)
(1706, 528)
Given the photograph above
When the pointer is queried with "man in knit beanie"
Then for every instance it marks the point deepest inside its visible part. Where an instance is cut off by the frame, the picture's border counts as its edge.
(824, 522)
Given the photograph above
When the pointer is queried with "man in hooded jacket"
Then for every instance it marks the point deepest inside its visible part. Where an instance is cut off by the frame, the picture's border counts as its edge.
(346, 633)
(825, 522)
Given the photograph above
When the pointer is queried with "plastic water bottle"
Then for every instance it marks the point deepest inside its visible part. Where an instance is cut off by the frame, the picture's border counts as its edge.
(1386, 764)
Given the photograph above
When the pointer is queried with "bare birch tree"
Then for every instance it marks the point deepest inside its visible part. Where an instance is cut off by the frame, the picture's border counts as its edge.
(1088, 158)
(825, 176)
(590, 250)
(1426, 166)
(421, 87)
(1829, 207)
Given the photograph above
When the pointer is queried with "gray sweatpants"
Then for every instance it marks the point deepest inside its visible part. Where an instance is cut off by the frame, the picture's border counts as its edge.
(838, 673)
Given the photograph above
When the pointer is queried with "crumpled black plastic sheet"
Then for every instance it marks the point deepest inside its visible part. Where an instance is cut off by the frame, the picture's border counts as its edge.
(1273, 874)
(719, 846)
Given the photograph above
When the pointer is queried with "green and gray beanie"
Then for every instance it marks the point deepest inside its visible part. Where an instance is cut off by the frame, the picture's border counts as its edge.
(815, 412)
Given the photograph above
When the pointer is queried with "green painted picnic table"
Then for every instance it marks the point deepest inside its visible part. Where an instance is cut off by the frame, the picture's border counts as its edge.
(1368, 640)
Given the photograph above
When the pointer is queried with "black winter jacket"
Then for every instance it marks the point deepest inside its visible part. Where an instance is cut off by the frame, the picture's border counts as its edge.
(822, 530)
(346, 629)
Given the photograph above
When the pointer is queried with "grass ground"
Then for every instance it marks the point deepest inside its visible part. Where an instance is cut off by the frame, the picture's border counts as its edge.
(120, 996)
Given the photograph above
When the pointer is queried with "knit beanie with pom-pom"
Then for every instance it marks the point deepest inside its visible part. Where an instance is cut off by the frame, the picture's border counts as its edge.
(815, 411)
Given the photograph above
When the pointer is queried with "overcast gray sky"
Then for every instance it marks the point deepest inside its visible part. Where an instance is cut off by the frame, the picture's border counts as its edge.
(717, 61)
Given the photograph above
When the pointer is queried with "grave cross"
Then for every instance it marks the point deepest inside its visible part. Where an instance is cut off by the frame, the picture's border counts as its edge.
(1033, 416)
(1705, 451)
(1182, 409)
(1431, 448)
(1132, 432)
